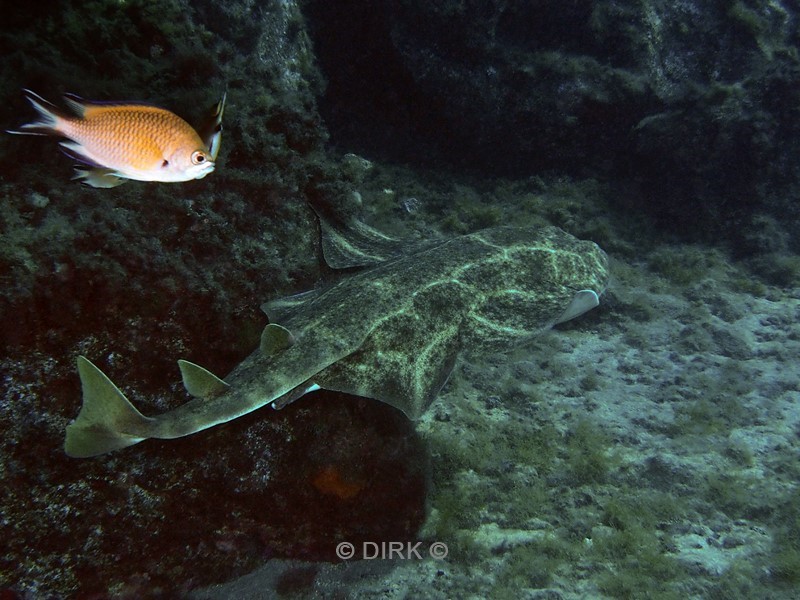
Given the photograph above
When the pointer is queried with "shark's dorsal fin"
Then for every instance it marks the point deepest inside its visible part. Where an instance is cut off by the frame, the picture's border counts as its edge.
(275, 339)
(200, 382)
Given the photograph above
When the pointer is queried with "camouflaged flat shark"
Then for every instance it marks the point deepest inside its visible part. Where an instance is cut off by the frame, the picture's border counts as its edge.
(391, 332)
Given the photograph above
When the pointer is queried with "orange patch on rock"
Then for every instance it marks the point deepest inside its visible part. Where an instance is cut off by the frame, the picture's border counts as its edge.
(330, 481)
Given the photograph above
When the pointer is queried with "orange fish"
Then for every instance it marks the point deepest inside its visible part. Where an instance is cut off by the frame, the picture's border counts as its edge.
(119, 141)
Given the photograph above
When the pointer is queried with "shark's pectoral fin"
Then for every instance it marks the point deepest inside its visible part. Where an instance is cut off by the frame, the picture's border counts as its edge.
(107, 420)
(275, 339)
(427, 386)
(408, 383)
(583, 301)
(200, 382)
(281, 309)
(348, 243)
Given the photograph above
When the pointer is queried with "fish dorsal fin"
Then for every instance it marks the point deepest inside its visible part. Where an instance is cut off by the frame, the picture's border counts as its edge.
(76, 104)
(583, 301)
(200, 382)
(275, 339)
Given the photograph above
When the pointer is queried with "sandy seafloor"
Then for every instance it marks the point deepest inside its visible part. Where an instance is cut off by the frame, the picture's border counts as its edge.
(645, 450)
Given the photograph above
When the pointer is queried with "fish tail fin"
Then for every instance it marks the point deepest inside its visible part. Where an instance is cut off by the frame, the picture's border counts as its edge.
(107, 420)
(50, 120)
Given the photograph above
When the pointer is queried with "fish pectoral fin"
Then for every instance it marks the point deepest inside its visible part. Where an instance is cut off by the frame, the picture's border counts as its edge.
(77, 152)
(107, 420)
(200, 382)
(275, 339)
(98, 177)
(583, 301)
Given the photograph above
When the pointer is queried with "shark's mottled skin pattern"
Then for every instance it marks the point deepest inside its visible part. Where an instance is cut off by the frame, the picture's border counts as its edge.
(394, 331)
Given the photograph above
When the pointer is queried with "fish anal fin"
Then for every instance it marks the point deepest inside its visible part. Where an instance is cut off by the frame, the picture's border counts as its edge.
(107, 420)
(98, 177)
(200, 382)
(275, 339)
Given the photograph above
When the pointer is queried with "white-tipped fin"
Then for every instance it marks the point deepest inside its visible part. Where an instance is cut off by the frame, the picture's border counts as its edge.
(211, 131)
(98, 177)
(582, 302)
(295, 394)
(275, 339)
(200, 382)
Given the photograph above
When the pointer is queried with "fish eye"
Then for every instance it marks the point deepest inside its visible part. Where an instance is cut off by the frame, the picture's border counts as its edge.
(198, 157)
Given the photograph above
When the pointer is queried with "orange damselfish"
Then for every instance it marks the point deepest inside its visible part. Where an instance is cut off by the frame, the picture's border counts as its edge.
(119, 141)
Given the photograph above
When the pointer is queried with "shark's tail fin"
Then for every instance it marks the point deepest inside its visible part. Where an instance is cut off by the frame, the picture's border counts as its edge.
(107, 420)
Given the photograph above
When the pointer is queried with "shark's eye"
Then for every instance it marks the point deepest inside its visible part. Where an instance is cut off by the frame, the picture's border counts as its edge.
(198, 157)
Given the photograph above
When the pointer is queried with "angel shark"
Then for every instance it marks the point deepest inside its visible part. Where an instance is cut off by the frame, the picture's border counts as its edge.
(392, 332)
